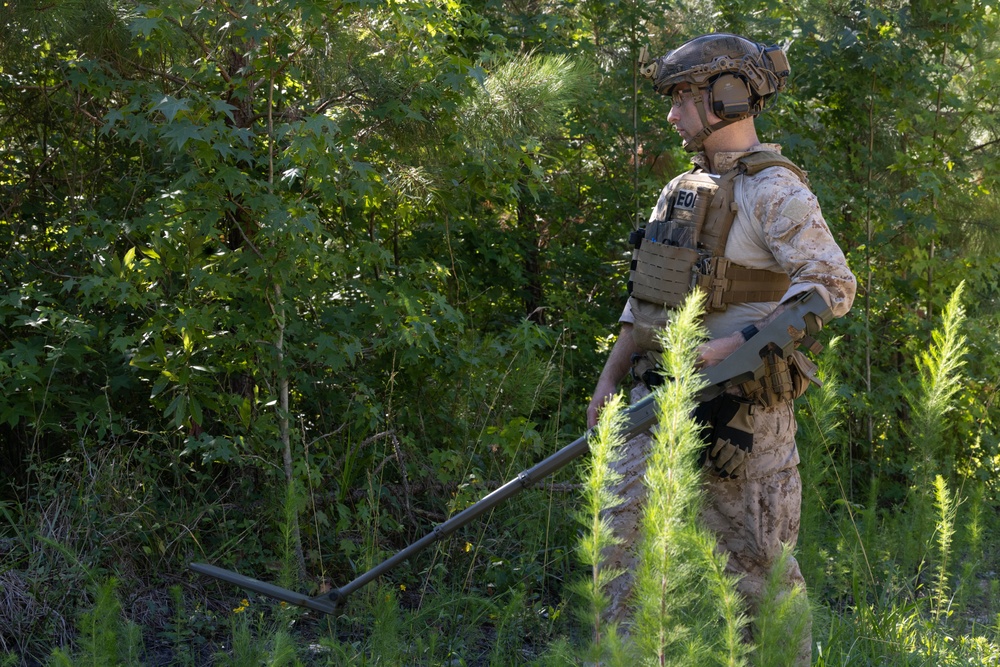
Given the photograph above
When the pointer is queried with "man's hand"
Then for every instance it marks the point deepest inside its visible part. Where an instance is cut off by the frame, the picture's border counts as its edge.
(602, 394)
(615, 368)
(714, 351)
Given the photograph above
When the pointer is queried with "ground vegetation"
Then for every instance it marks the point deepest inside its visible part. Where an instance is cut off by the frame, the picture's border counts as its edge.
(287, 282)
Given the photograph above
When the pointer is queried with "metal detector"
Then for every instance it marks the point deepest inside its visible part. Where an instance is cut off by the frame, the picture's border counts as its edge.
(802, 317)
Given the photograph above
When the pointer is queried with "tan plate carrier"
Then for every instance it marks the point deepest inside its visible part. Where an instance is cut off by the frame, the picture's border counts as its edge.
(664, 274)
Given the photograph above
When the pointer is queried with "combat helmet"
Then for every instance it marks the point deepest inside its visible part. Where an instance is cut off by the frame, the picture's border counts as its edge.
(739, 75)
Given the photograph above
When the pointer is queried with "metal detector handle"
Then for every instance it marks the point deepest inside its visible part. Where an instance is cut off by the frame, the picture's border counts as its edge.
(805, 314)
(321, 603)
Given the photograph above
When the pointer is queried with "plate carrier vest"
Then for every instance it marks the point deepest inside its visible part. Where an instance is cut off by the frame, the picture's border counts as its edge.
(684, 251)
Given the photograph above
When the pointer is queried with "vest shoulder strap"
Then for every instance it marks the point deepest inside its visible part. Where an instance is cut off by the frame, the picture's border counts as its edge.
(751, 163)
(761, 160)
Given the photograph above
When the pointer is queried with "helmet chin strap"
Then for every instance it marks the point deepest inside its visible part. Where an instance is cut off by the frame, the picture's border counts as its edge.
(697, 142)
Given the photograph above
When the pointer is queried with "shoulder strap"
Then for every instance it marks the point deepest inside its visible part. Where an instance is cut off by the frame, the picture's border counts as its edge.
(761, 160)
(726, 207)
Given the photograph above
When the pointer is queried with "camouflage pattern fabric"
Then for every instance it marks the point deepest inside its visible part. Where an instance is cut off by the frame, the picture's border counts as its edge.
(779, 227)
(750, 517)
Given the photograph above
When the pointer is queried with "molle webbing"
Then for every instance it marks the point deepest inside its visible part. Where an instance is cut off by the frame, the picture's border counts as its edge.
(666, 274)
(662, 273)
(726, 283)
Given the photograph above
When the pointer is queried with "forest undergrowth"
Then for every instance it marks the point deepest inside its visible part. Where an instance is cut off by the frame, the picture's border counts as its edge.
(879, 594)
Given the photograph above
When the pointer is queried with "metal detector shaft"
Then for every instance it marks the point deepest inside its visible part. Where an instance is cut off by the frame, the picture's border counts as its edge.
(644, 418)
(805, 314)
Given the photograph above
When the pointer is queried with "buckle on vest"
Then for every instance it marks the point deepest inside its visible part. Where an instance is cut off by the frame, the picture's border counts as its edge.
(715, 282)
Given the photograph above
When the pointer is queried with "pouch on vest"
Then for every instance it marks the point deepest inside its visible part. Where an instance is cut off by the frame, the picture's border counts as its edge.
(663, 265)
(784, 379)
(662, 274)
(649, 321)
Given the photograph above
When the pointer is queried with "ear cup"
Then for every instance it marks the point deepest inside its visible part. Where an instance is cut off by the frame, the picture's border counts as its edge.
(730, 97)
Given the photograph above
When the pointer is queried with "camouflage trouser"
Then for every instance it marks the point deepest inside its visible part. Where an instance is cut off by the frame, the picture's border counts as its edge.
(751, 518)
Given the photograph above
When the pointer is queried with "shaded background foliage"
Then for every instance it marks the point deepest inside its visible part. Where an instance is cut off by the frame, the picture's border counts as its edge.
(373, 252)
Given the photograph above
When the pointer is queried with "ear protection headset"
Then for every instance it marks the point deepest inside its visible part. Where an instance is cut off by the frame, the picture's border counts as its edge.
(729, 97)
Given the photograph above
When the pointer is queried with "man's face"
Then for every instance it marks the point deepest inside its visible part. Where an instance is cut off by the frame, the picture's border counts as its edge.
(684, 113)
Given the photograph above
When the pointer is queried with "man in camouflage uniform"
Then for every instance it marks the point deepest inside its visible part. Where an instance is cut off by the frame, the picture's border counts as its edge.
(718, 84)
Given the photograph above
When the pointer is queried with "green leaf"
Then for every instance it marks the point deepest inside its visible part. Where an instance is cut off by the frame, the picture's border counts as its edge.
(144, 26)
(179, 133)
(221, 106)
(170, 106)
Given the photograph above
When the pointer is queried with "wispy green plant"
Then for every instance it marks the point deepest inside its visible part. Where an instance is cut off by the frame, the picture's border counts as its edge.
(731, 648)
(947, 507)
(507, 645)
(244, 650)
(339, 653)
(599, 479)
(559, 653)
(179, 632)
(968, 585)
(687, 611)
(292, 567)
(386, 634)
(782, 617)
(283, 650)
(940, 379)
(105, 638)
(267, 646)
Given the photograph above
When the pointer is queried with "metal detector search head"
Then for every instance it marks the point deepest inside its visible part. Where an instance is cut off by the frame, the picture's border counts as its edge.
(326, 603)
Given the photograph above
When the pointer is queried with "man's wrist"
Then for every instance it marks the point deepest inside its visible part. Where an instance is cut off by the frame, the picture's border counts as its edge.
(749, 332)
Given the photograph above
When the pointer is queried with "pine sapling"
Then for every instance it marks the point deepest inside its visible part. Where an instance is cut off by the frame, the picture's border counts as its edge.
(599, 478)
(782, 617)
(947, 506)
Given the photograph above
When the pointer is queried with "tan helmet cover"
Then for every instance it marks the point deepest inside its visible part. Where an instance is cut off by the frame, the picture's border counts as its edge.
(739, 75)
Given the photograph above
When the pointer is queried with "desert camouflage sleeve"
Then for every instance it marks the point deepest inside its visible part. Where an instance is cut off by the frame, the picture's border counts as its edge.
(796, 233)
